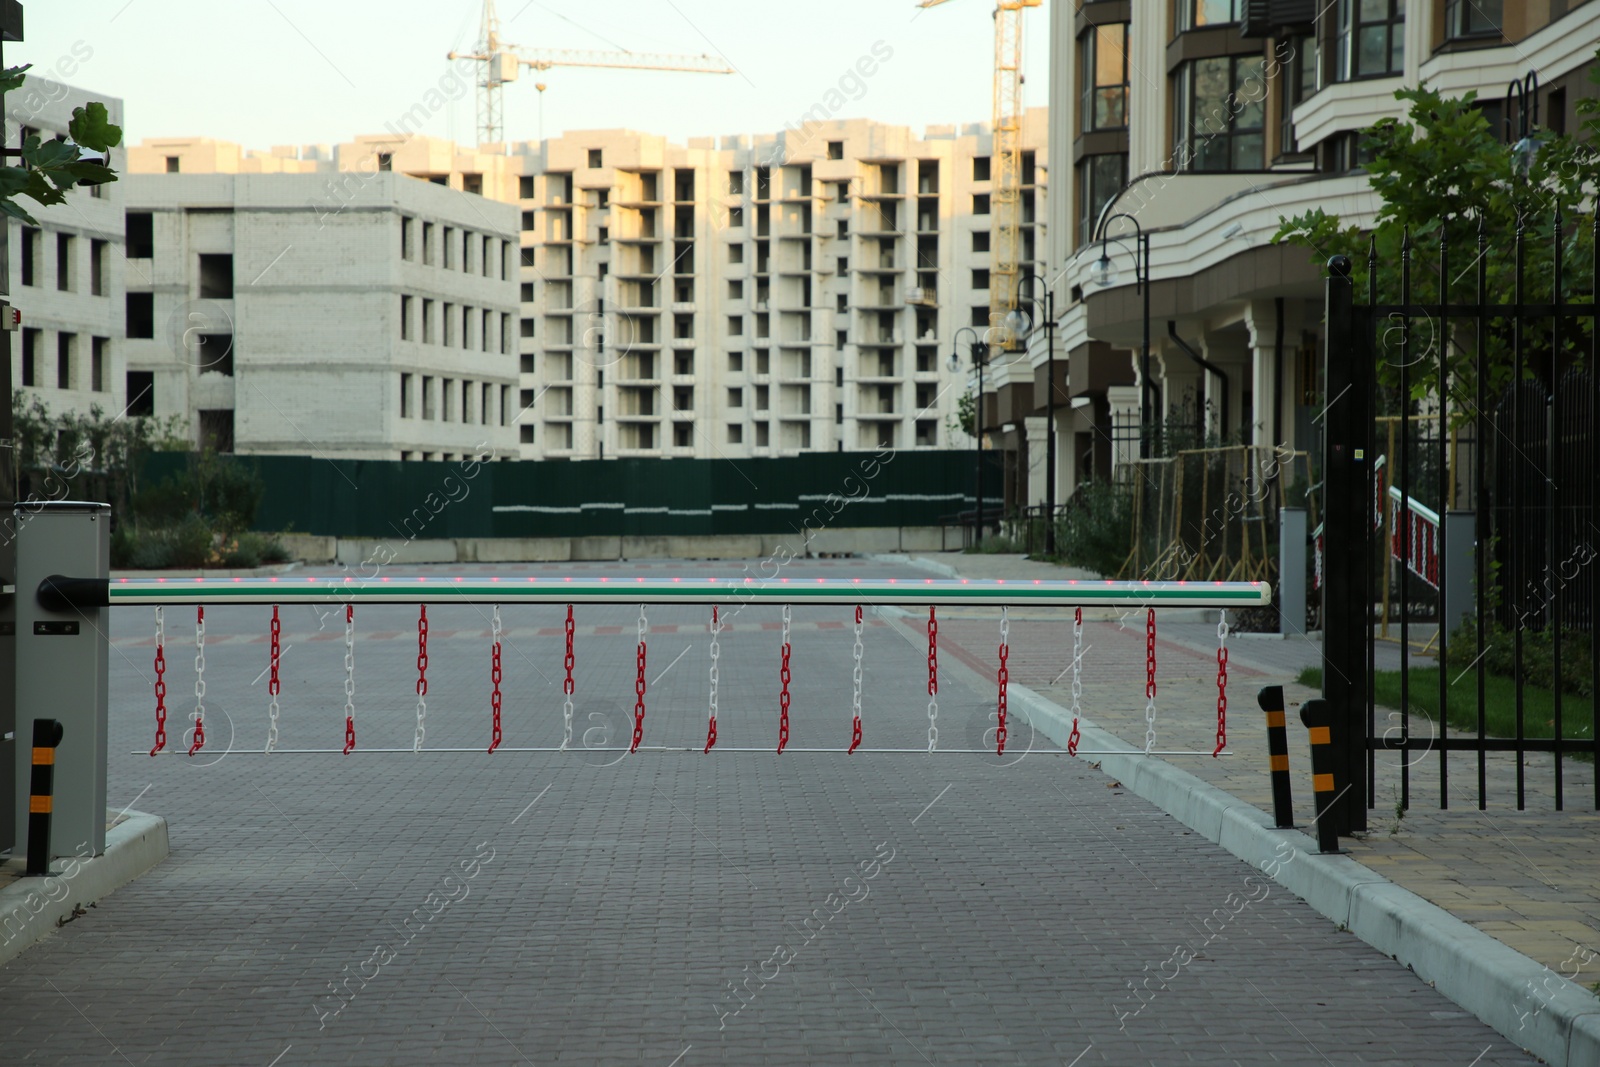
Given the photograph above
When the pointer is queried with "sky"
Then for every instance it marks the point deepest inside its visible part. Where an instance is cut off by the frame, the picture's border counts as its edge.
(291, 72)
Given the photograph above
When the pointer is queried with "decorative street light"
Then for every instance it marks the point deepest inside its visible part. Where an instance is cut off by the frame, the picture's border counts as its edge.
(1104, 274)
(1020, 324)
(980, 358)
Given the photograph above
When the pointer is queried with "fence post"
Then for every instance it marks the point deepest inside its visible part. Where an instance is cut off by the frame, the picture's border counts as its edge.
(1271, 700)
(1325, 787)
(41, 794)
(1347, 475)
(1291, 571)
(1456, 568)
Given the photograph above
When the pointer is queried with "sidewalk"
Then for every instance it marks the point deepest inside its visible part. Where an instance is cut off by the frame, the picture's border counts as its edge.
(1529, 879)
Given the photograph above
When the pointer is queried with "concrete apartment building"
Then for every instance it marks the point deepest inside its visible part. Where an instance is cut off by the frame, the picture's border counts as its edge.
(1154, 115)
(66, 272)
(286, 307)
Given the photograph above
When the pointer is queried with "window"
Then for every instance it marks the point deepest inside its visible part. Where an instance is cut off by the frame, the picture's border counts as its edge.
(595, 158)
(980, 240)
(30, 356)
(980, 279)
(530, 220)
(141, 387)
(835, 149)
(405, 318)
(736, 183)
(449, 248)
(736, 398)
(1198, 14)
(66, 353)
(1104, 64)
(736, 216)
(1473, 18)
(216, 276)
(472, 183)
(736, 325)
(761, 398)
(735, 433)
(215, 354)
(30, 255)
(505, 334)
(1099, 179)
(172, 164)
(605, 235)
(448, 337)
(140, 235)
(1222, 114)
(216, 430)
(527, 327)
(488, 258)
(527, 292)
(64, 256)
(1371, 35)
(97, 268)
(141, 314)
(525, 186)
(385, 161)
(99, 353)
(427, 397)
(980, 168)
(980, 204)
(427, 244)
(528, 256)
(736, 362)
(408, 400)
(427, 322)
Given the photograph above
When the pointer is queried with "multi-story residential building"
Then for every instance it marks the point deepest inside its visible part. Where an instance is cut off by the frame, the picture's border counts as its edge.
(1207, 120)
(284, 307)
(66, 272)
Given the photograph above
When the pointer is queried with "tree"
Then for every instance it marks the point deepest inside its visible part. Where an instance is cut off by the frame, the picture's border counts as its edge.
(1446, 179)
(51, 168)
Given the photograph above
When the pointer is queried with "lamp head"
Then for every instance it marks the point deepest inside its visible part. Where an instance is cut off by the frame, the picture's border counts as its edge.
(955, 363)
(1016, 322)
(1103, 273)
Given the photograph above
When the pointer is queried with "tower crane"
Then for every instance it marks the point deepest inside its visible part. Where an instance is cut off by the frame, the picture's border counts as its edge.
(1006, 162)
(501, 63)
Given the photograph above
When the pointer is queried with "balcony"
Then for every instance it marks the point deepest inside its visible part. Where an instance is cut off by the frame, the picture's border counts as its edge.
(923, 296)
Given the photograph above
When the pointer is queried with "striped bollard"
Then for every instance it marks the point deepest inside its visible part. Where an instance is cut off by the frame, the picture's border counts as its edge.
(1324, 761)
(1271, 700)
(41, 794)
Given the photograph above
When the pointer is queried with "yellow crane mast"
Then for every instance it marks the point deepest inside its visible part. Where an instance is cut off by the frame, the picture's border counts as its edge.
(501, 63)
(1005, 162)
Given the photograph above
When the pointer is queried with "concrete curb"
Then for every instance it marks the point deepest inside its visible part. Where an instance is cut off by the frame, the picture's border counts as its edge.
(32, 908)
(932, 567)
(1532, 1006)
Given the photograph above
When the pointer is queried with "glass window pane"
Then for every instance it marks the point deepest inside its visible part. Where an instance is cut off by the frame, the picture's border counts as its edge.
(1484, 16)
(1374, 10)
(1110, 108)
(1372, 50)
(1249, 151)
(1211, 153)
(1250, 95)
(1108, 55)
(1397, 49)
(1210, 109)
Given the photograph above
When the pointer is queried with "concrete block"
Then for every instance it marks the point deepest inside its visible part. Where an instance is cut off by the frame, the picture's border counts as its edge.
(517, 549)
(593, 548)
(929, 538)
(367, 554)
(310, 548)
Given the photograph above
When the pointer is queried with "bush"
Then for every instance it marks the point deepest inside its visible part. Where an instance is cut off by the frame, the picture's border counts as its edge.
(265, 547)
(1538, 655)
(1096, 530)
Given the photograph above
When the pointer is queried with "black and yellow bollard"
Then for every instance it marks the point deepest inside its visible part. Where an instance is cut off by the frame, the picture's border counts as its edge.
(1271, 700)
(41, 794)
(1324, 762)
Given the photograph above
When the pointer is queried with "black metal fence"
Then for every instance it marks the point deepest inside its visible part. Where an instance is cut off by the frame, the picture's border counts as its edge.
(1494, 538)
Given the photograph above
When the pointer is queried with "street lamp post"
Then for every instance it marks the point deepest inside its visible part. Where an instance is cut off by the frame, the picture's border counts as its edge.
(1020, 324)
(1104, 274)
(979, 359)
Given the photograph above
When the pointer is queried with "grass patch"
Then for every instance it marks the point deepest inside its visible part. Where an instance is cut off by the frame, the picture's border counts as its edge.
(1499, 702)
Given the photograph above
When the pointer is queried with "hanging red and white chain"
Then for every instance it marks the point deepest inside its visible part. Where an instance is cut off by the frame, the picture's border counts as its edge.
(638, 689)
(1004, 679)
(855, 726)
(349, 678)
(1222, 683)
(495, 674)
(1077, 679)
(273, 685)
(716, 652)
(933, 680)
(783, 678)
(422, 680)
(566, 689)
(161, 685)
(199, 739)
(1149, 680)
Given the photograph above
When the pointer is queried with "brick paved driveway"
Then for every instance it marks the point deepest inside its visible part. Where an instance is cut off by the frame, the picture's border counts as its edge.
(669, 907)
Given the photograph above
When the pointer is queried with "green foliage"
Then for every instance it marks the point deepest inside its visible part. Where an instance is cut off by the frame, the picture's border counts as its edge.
(1096, 530)
(1445, 178)
(50, 169)
(87, 456)
(1538, 655)
(965, 419)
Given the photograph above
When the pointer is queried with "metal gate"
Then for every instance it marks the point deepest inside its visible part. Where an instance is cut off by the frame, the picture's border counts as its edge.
(1477, 519)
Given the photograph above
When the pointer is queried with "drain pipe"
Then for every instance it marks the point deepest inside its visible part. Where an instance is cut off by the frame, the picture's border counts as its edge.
(1205, 364)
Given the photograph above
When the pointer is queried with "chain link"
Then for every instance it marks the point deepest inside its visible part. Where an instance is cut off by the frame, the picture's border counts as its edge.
(933, 680)
(638, 689)
(161, 684)
(783, 677)
(199, 681)
(495, 674)
(273, 685)
(1077, 680)
(566, 689)
(422, 680)
(716, 652)
(855, 726)
(1004, 678)
(349, 678)
(1222, 682)
(1149, 680)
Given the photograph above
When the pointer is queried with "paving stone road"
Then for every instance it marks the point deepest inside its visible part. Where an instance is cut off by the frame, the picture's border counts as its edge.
(669, 908)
